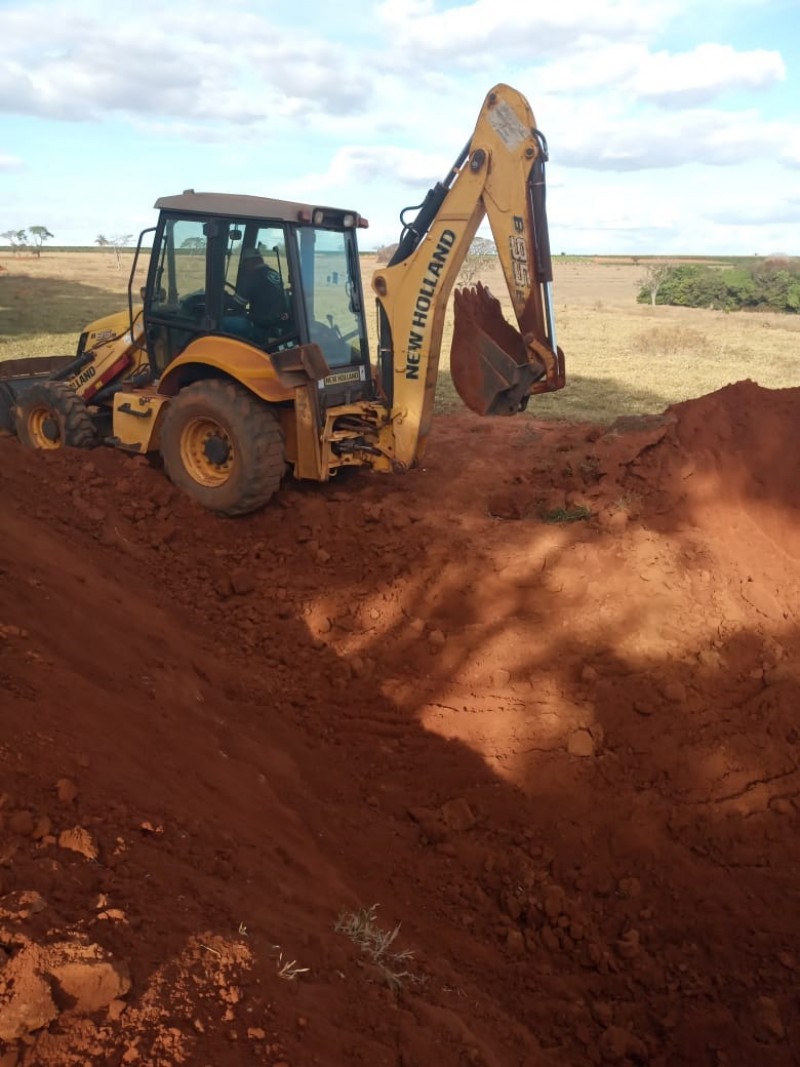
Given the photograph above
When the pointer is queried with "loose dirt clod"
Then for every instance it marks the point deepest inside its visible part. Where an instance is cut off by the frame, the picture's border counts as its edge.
(79, 840)
(564, 755)
(581, 743)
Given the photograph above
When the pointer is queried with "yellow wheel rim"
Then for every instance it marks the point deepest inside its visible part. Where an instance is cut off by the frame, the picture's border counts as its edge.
(44, 428)
(207, 452)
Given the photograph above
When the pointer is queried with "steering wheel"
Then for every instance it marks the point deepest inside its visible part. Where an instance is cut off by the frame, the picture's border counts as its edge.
(194, 304)
(329, 340)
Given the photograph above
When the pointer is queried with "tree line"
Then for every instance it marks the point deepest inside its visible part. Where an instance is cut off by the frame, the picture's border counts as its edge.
(30, 239)
(771, 284)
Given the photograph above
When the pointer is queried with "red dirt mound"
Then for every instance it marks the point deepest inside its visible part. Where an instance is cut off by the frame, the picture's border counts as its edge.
(495, 763)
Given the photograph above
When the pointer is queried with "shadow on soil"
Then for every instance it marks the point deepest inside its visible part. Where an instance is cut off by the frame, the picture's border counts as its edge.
(587, 399)
(33, 306)
(584, 399)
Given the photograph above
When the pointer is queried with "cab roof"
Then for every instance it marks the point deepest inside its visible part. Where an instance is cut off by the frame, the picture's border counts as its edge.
(245, 207)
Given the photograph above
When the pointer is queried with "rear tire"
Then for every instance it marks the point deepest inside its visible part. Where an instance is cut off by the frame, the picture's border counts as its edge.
(223, 446)
(51, 415)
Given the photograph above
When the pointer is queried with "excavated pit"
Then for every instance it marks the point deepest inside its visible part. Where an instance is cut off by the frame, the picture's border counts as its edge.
(546, 720)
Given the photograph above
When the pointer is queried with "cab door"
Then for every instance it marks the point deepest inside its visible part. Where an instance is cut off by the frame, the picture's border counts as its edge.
(182, 301)
(334, 311)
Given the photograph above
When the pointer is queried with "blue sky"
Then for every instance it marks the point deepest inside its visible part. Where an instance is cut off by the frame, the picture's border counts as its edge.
(673, 126)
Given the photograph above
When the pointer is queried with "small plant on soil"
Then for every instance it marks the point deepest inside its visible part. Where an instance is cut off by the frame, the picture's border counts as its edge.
(561, 515)
(288, 969)
(625, 502)
(376, 943)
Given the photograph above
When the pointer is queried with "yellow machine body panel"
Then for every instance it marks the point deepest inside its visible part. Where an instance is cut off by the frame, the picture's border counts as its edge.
(234, 358)
(136, 419)
(110, 350)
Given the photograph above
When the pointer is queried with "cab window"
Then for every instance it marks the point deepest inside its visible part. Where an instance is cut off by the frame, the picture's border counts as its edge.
(180, 288)
(331, 294)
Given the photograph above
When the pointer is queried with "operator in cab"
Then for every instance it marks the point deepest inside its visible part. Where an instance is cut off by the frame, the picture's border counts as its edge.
(260, 291)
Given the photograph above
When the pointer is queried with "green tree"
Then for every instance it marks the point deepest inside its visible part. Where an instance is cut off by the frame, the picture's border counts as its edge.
(656, 274)
(40, 234)
(764, 284)
(194, 244)
(741, 288)
(18, 239)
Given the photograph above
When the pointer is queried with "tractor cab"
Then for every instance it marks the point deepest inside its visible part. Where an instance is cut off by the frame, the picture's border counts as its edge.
(267, 273)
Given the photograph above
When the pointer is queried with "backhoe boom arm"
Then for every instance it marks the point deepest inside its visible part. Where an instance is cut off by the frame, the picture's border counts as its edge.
(495, 366)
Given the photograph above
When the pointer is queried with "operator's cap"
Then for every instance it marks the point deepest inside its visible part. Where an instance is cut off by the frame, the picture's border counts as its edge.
(251, 253)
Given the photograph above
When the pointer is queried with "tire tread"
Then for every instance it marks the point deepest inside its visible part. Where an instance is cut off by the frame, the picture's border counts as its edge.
(252, 419)
(78, 427)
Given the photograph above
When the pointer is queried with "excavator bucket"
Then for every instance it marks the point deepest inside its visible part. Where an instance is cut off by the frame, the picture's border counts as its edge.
(492, 368)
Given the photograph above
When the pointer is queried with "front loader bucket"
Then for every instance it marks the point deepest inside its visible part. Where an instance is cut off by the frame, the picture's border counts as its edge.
(17, 374)
(490, 363)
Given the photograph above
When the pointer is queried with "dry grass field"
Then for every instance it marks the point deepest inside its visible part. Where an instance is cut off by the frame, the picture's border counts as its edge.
(623, 358)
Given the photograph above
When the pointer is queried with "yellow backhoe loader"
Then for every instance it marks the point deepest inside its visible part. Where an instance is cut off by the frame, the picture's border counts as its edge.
(246, 350)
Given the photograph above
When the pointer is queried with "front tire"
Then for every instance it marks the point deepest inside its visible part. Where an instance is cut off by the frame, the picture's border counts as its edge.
(223, 446)
(51, 415)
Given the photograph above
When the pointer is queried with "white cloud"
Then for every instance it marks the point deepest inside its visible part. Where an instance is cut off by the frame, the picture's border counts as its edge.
(609, 137)
(680, 79)
(691, 209)
(474, 35)
(176, 63)
(10, 163)
(784, 210)
(704, 73)
(356, 164)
